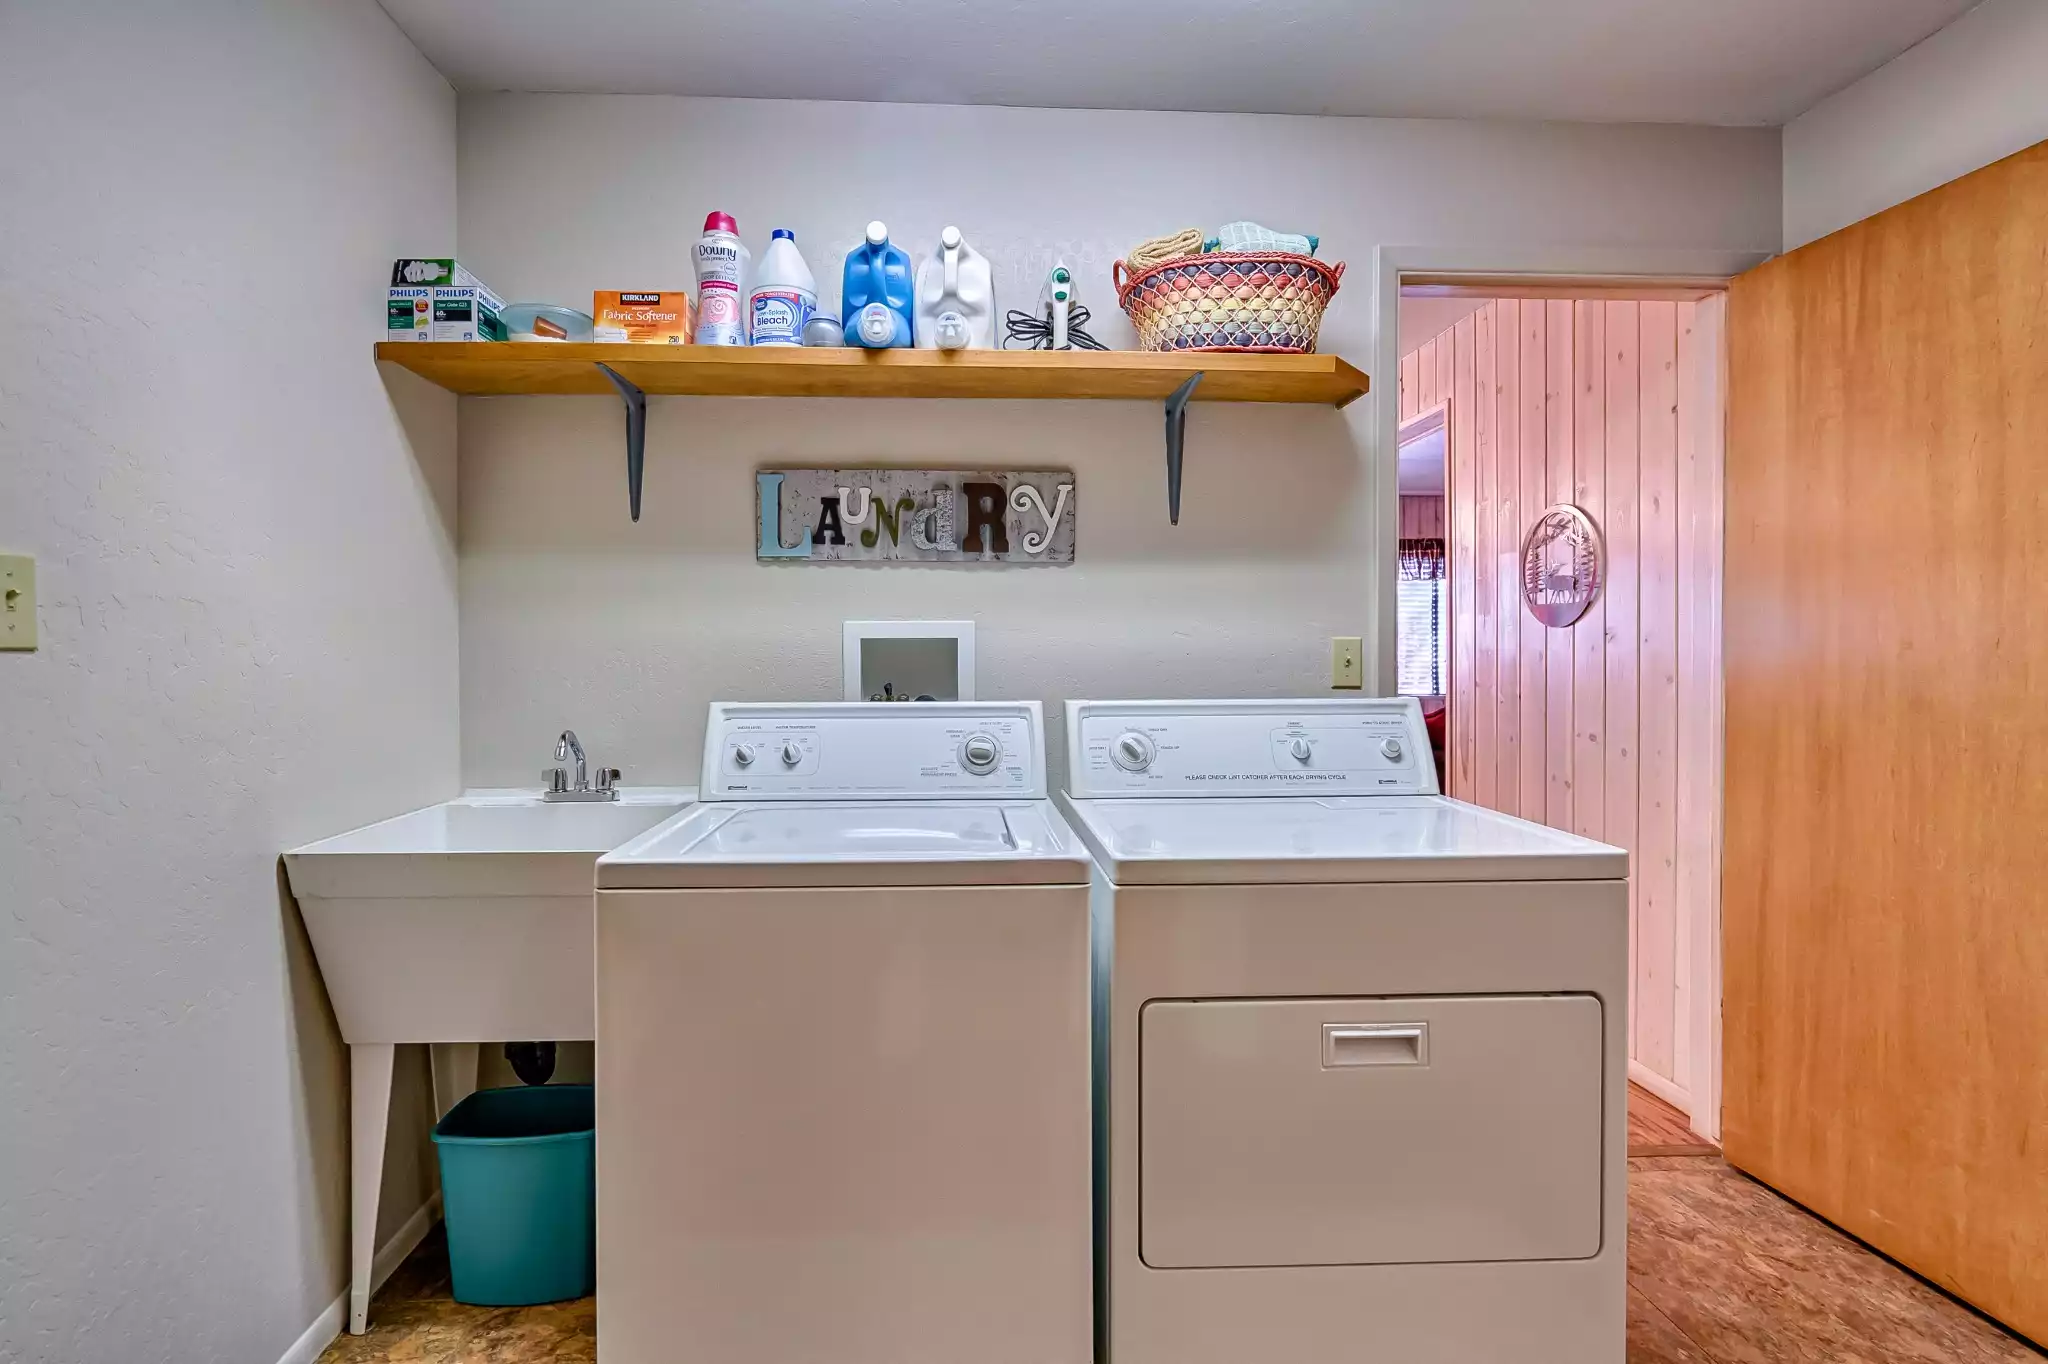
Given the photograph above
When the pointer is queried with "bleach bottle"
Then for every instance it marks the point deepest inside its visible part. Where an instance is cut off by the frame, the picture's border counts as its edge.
(875, 301)
(784, 295)
(721, 259)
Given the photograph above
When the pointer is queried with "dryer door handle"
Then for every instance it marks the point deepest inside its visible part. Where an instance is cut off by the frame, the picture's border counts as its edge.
(1375, 1044)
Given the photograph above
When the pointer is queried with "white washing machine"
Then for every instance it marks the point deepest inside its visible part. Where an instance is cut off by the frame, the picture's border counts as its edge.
(843, 1050)
(1361, 1048)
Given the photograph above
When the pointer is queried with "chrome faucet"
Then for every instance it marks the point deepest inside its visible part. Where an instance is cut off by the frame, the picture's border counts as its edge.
(557, 786)
(568, 744)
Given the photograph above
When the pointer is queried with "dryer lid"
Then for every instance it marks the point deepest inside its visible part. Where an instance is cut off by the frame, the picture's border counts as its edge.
(1348, 839)
(1339, 789)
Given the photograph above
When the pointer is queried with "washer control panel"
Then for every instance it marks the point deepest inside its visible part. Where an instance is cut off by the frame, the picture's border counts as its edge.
(867, 750)
(1350, 746)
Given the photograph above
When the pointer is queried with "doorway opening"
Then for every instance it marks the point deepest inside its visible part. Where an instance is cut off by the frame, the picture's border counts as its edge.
(1558, 593)
(1422, 627)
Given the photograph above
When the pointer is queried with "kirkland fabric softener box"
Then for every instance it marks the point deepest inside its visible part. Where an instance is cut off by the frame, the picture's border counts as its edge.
(660, 316)
(438, 300)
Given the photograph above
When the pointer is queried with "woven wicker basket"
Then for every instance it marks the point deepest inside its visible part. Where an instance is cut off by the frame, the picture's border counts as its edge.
(1227, 300)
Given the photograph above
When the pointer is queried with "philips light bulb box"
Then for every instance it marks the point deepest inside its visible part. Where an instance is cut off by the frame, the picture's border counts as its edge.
(438, 300)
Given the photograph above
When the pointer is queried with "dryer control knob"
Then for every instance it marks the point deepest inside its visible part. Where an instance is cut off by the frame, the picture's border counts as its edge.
(743, 756)
(1301, 749)
(1391, 750)
(791, 755)
(980, 753)
(1133, 752)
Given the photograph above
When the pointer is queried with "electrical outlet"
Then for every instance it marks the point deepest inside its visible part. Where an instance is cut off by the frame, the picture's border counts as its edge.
(17, 601)
(1347, 662)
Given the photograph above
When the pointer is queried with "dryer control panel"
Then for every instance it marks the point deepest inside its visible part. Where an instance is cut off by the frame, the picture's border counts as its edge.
(874, 750)
(1353, 747)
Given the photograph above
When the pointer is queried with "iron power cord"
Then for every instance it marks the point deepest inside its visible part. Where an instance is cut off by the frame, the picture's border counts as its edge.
(1037, 331)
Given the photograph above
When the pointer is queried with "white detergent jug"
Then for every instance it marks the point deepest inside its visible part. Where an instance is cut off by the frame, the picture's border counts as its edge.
(956, 297)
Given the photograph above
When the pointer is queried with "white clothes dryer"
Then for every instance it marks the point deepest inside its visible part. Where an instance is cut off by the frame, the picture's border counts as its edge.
(1362, 1052)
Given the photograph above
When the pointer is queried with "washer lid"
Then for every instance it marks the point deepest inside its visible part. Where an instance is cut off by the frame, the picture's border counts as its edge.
(1358, 839)
(850, 843)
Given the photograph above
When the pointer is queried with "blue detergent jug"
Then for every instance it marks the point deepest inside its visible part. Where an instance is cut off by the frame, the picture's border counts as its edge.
(875, 300)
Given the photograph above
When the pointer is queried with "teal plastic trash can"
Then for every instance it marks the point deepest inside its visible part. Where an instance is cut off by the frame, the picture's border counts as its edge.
(519, 1191)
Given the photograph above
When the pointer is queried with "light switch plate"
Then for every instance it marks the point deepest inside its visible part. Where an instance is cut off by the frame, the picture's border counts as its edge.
(17, 601)
(1347, 662)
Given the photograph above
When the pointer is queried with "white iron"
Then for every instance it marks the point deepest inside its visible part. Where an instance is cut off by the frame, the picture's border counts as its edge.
(1056, 302)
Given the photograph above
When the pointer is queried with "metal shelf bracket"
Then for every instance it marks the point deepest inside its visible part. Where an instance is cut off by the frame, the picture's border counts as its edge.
(1176, 434)
(636, 433)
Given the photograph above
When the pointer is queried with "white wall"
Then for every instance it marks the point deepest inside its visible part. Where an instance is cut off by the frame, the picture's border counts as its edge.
(1971, 94)
(247, 572)
(572, 615)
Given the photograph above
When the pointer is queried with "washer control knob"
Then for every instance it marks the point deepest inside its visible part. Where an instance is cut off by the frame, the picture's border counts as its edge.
(1301, 749)
(1391, 750)
(1133, 752)
(743, 756)
(791, 754)
(980, 753)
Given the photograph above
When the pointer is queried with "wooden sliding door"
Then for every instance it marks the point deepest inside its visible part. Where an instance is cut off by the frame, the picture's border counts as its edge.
(1885, 896)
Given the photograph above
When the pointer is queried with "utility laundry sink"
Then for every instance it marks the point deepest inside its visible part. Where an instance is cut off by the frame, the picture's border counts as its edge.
(467, 921)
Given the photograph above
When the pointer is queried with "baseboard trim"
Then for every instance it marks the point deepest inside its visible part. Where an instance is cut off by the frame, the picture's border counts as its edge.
(326, 1327)
(1664, 1089)
(403, 1242)
(324, 1331)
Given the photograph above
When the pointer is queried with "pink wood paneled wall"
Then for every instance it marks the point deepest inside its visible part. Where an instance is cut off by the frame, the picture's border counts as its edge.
(1610, 728)
(1422, 518)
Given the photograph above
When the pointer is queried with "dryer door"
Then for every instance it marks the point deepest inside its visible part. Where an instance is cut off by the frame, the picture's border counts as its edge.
(1369, 1131)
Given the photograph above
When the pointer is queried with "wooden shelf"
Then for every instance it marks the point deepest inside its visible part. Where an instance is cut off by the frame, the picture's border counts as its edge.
(499, 367)
(631, 372)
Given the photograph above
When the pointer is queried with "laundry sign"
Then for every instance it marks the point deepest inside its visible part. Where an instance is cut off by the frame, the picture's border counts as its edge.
(915, 515)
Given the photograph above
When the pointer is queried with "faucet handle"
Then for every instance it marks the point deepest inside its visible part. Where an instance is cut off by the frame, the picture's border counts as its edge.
(607, 778)
(554, 779)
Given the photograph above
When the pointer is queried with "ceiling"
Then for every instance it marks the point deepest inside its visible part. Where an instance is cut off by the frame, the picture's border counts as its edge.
(1425, 317)
(1667, 61)
(1422, 463)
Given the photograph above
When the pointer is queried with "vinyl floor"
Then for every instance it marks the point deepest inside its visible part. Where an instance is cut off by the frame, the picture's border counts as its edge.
(1721, 1271)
